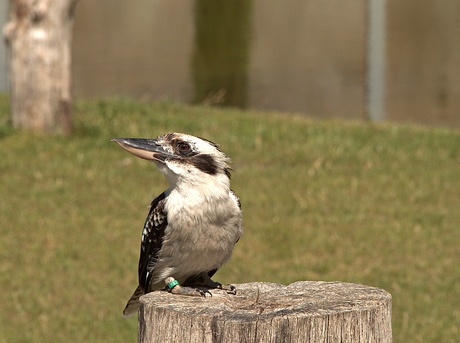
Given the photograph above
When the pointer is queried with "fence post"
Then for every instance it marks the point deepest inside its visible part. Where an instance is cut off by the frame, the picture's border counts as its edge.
(266, 312)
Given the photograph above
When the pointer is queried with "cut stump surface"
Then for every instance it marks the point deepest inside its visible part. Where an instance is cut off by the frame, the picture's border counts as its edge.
(266, 312)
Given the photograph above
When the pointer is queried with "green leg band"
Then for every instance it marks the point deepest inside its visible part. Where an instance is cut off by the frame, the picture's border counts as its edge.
(171, 285)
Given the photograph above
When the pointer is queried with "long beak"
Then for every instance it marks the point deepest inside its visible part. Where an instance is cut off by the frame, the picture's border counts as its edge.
(147, 149)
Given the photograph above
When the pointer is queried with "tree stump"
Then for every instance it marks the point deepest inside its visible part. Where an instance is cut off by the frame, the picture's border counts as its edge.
(267, 312)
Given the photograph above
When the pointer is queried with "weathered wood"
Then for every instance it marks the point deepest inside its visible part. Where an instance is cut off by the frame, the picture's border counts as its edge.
(266, 312)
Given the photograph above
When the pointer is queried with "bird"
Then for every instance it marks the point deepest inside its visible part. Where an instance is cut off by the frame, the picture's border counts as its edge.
(192, 227)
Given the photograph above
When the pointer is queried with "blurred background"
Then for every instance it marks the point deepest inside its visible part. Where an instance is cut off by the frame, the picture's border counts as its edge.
(343, 198)
(376, 59)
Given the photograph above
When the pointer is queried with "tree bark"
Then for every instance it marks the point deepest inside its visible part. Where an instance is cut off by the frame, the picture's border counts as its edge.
(266, 312)
(39, 33)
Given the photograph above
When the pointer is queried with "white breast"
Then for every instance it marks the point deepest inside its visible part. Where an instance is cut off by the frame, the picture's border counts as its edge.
(203, 228)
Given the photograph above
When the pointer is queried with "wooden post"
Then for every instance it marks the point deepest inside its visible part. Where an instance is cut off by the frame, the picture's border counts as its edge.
(266, 312)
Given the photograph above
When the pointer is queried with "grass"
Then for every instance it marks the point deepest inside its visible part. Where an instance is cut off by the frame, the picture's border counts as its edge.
(322, 200)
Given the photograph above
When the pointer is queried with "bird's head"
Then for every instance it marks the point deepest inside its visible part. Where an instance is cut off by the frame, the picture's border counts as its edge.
(180, 156)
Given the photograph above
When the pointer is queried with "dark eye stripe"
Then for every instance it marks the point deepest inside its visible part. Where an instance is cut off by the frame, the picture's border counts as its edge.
(205, 163)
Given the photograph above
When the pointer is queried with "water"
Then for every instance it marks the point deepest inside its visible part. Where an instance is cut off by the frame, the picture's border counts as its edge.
(294, 56)
(258, 54)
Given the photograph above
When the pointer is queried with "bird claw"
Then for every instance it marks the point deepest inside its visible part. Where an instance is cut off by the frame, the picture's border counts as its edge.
(232, 290)
(229, 288)
(201, 283)
(190, 291)
(204, 293)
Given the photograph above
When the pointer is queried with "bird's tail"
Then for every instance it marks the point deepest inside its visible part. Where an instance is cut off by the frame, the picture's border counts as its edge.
(133, 303)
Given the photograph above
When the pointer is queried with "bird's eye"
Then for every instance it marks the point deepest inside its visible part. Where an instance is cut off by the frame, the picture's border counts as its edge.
(184, 148)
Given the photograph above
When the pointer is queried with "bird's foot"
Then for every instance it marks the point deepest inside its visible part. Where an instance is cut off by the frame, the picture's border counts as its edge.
(173, 286)
(203, 280)
(229, 288)
(190, 291)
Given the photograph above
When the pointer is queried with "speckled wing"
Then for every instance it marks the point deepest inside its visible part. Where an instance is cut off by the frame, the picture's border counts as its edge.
(151, 241)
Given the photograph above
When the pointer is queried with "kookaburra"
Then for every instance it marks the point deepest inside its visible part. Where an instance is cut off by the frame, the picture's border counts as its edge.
(193, 226)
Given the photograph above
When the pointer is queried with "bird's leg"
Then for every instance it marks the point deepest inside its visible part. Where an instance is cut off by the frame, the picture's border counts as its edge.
(173, 286)
(203, 280)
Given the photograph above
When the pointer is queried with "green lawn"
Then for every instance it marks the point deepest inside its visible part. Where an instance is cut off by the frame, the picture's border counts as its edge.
(322, 200)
